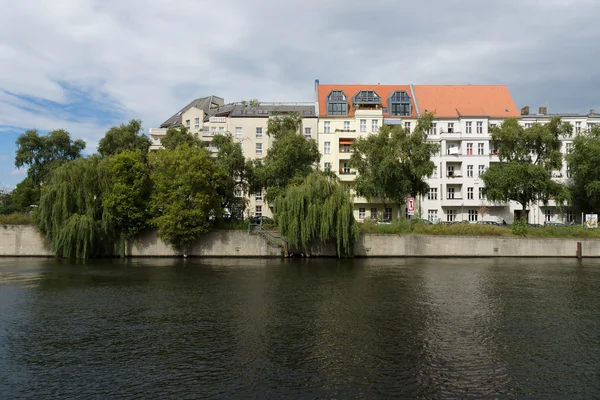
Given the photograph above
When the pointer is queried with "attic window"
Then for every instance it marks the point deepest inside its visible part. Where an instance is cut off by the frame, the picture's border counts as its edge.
(400, 104)
(337, 103)
(366, 97)
(307, 112)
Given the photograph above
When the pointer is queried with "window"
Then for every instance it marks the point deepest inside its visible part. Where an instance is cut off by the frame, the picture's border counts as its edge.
(238, 132)
(469, 149)
(450, 194)
(472, 215)
(346, 125)
(481, 170)
(366, 97)
(469, 127)
(213, 130)
(492, 126)
(527, 126)
(470, 193)
(375, 125)
(361, 213)
(480, 148)
(308, 133)
(258, 132)
(432, 215)
(432, 194)
(450, 215)
(196, 123)
(258, 211)
(387, 213)
(434, 174)
(450, 170)
(547, 215)
(569, 147)
(407, 126)
(433, 130)
(479, 129)
(569, 173)
(450, 127)
(469, 171)
(327, 166)
(327, 127)
(577, 127)
(570, 216)
(258, 196)
(481, 194)
(187, 123)
(337, 103)
(327, 148)
(400, 104)
(221, 129)
(363, 125)
(373, 213)
(345, 168)
(258, 148)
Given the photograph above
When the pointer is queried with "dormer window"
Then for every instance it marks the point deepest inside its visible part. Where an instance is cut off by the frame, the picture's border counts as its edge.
(366, 97)
(337, 103)
(400, 104)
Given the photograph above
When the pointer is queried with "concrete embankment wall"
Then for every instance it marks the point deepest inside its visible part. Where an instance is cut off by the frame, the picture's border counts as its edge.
(27, 241)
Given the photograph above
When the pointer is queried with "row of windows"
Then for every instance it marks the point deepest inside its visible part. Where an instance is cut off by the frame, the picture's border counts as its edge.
(399, 102)
(239, 133)
(452, 194)
(374, 213)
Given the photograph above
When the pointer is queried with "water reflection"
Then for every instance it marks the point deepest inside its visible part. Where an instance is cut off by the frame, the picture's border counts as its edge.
(163, 328)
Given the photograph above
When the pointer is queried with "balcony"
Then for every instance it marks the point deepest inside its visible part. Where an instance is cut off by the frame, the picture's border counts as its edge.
(158, 131)
(454, 174)
(346, 175)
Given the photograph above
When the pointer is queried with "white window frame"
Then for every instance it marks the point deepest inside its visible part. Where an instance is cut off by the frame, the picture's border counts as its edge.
(473, 215)
(469, 171)
(480, 170)
(432, 215)
(239, 132)
(363, 125)
(432, 194)
(196, 123)
(481, 194)
(468, 127)
(259, 132)
(407, 126)
(480, 149)
(308, 133)
(327, 148)
(375, 125)
(548, 215)
(469, 149)
(470, 193)
(450, 127)
(346, 125)
(258, 196)
(450, 215)
(327, 126)
(362, 213)
(258, 211)
(374, 213)
(327, 166)
(479, 127)
(259, 149)
(187, 123)
(387, 213)
(221, 129)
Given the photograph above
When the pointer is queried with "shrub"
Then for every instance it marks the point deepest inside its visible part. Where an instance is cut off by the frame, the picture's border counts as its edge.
(17, 219)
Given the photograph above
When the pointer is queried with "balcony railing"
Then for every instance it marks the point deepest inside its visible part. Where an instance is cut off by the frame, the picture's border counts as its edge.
(347, 172)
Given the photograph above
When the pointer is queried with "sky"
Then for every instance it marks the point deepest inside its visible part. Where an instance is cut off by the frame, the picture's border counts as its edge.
(86, 65)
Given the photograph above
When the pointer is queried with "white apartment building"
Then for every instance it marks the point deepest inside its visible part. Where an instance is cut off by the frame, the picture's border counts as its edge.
(208, 116)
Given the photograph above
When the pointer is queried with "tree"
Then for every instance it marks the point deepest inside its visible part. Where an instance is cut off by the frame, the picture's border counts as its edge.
(254, 102)
(239, 171)
(124, 137)
(584, 166)
(71, 211)
(186, 185)
(42, 153)
(127, 193)
(290, 159)
(527, 158)
(483, 210)
(393, 163)
(180, 136)
(318, 210)
(26, 194)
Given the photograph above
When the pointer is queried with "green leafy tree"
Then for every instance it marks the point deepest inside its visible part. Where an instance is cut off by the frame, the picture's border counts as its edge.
(124, 137)
(290, 159)
(43, 153)
(127, 193)
(318, 210)
(180, 136)
(25, 194)
(394, 163)
(584, 165)
(527, 158)
(71, 211)
(239, 171)
(185, 194)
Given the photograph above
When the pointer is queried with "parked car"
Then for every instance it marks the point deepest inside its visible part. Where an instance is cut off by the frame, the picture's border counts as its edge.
(556, 224)
(261, 220)
(488, 223)
(384, 222)
(422, 221)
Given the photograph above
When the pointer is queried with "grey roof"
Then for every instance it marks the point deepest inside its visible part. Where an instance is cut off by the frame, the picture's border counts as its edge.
(264, 110)
(202, 103)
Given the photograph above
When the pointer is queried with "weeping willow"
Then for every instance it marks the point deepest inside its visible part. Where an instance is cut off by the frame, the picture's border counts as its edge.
(317, 210)
(71, 213)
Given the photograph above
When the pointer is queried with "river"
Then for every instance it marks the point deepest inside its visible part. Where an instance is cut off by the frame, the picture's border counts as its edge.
(377, 328)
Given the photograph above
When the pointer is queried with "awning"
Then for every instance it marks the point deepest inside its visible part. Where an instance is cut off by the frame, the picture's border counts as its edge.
(346, 141)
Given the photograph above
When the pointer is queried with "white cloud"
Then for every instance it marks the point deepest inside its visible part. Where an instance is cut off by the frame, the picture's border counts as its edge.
(149, 58)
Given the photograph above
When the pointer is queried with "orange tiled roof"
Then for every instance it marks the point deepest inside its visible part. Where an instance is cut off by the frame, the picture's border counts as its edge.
(384, 92)
(453, 101)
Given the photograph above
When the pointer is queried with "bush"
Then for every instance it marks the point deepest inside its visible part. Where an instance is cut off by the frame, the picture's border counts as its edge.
(520, 227)
(17, 219)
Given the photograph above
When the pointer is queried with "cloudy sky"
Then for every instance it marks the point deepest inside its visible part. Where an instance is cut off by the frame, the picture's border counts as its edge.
(85, 65)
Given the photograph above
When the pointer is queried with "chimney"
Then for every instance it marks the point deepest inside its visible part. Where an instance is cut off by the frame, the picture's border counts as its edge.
(525, 110)
(543, 110)
(592, 111)
(317, 97)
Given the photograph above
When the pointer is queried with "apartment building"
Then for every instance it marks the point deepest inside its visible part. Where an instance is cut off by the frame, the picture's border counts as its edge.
(247, 123)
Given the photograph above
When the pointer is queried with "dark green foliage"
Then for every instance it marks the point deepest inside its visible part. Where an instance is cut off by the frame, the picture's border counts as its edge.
(180, 136)
(128, 192)
(317, 211)
(185, 193)
(584, 164)
(527, 158)
(26, 194)
(42, 153)
(393, 163)
(290, 159)
(124, 137)
(71, 212)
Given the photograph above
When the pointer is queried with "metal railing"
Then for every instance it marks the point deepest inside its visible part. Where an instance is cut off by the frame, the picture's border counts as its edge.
(270, 237)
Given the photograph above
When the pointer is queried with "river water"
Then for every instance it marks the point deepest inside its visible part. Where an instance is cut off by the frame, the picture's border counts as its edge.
(402, 328)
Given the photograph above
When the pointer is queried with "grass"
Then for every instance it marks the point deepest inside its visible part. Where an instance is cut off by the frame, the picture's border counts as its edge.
(16, 219)
(402, 227)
